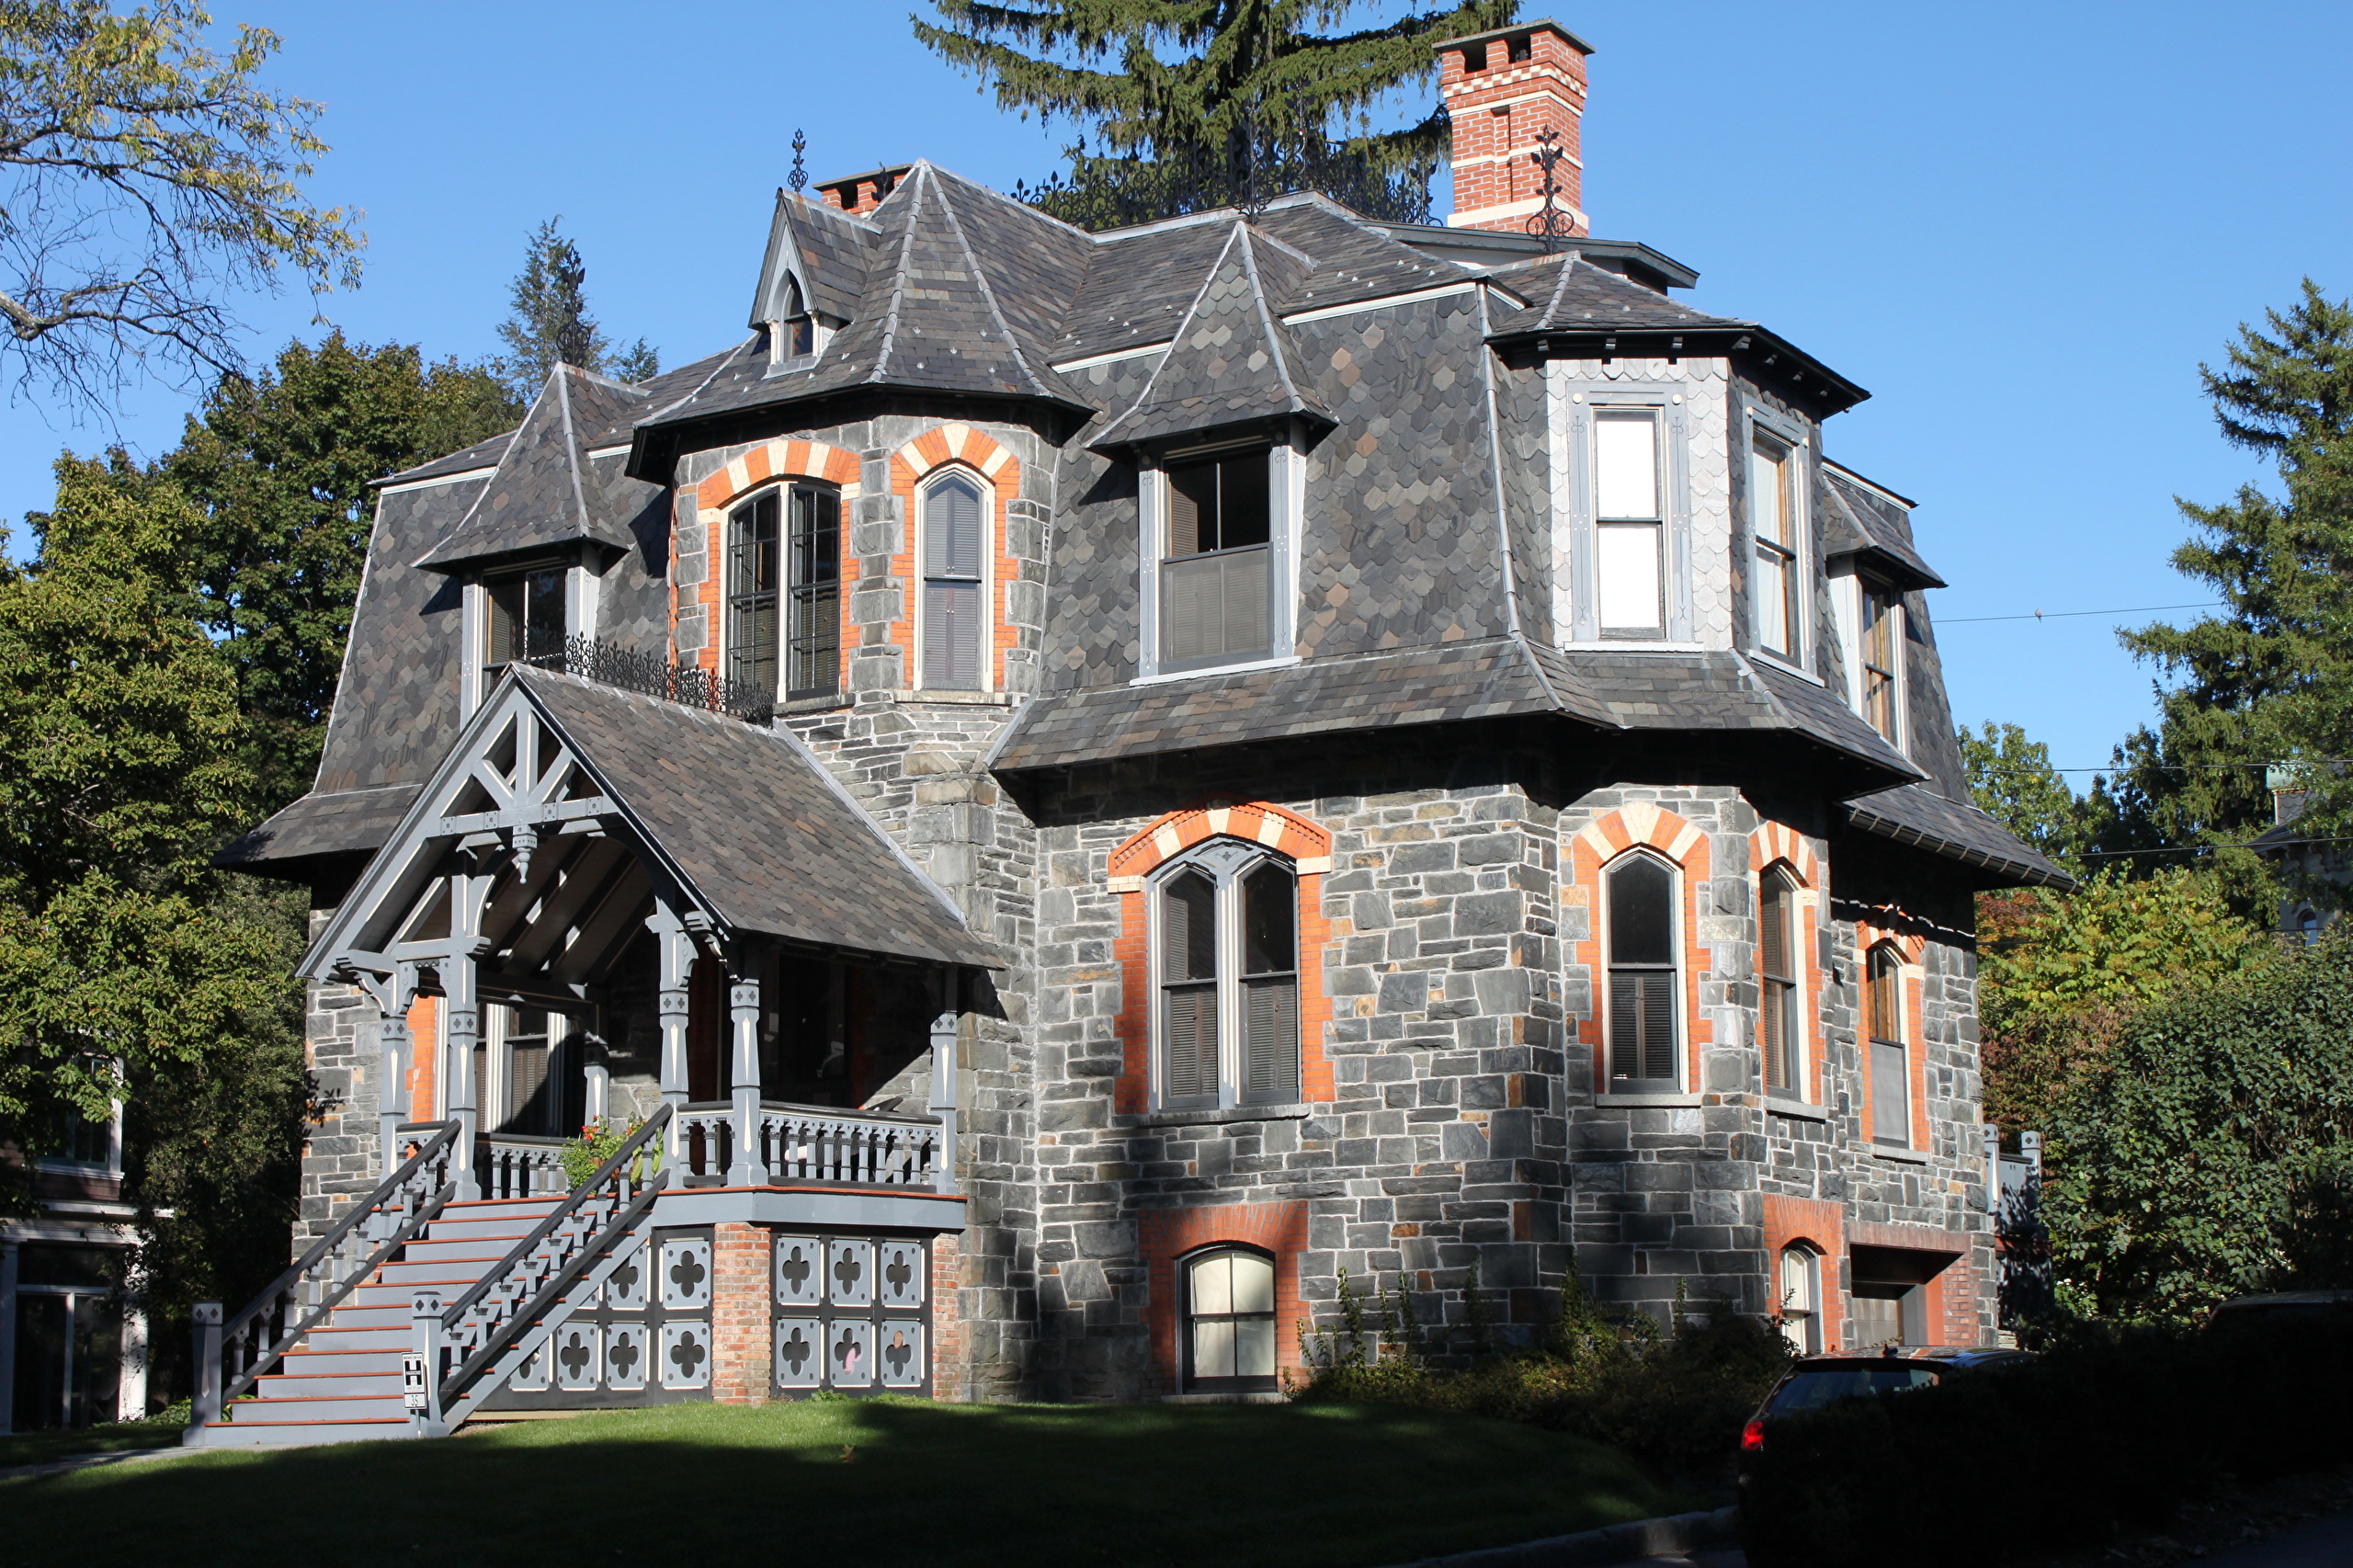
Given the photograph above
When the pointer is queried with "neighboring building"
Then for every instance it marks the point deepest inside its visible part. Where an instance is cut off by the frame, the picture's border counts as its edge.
(73, 1344)
(1208, 755)
(2291, 850)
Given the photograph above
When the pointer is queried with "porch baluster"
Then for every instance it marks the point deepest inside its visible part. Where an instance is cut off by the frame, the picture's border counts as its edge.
(457, 1078)
(676, 946)
(943, 1104)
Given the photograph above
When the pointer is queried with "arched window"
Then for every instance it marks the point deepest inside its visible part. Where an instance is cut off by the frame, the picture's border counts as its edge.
(784, 578)
(1228, 1320)
(1891, 1073)
(1777, 1012)
(1228, 961)
(1801, 1299)
(955, 617)
(796, 331)
(2308, 926)
(1645, 990)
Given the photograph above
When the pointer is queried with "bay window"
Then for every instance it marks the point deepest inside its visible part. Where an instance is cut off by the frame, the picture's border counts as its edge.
(1629, 523)
(784, 591)
(955, 602)
(1889, 1064)
(1778, 1013)
(1773, 520)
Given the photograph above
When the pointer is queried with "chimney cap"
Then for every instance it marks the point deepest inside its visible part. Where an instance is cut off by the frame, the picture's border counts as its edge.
(1544, 24)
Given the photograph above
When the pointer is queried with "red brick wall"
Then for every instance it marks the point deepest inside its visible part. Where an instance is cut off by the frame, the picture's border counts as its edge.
(1499, 111)
(741, 1317)
(947, 1318)
(1954, 1304)
(1167, 1235)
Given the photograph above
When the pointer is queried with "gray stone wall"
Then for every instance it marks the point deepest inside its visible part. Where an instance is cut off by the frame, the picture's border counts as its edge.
(341, 1153)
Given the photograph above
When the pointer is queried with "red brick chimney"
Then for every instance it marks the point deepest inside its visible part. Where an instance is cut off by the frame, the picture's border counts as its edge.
(863, 193)
(1502, 89)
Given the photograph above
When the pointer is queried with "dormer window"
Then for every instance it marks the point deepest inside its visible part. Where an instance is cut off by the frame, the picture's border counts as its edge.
(1880, 656)
(1215, 561)
(1629, 523)
(795, 330)
(527, 617)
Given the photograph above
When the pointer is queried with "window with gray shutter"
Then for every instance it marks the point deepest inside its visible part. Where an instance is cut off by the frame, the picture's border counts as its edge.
(1778, 999)
(1218, 561)
(755, 554)
(1645, 1004)
(955, 630)
(1229, 962)
(1884, 1029)
(814, 630)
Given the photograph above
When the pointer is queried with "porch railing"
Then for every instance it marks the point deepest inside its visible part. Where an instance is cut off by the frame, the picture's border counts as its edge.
(522, 1164)
(650, 675)
(231, 1356)
(814, 1143)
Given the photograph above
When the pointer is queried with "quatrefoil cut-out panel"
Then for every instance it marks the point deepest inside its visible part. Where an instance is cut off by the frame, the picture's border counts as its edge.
(849, 1273)
(899, 1275)
(641, 1337)
(685, 1274)
(900, 1358)
(851, 1314)
(800, 1271)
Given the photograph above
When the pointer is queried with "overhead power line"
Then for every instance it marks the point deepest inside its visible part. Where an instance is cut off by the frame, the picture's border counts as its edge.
(2069, 614)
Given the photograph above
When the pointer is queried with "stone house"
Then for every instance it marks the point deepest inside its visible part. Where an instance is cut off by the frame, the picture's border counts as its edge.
(1074, 786)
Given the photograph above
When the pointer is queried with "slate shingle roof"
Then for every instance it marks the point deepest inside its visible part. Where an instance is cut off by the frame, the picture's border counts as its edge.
(1232, 360)
(544, 492)
(1917, 815)
(1570, 294)
(754, 824)
(343, 824)
(1861, 523)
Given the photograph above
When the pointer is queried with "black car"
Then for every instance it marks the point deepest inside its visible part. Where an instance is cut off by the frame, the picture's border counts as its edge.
(1818, 1381)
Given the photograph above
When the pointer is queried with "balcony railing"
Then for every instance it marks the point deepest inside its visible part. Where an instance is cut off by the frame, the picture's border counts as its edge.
(650, 675)
(522, 1164)
(815, 1145)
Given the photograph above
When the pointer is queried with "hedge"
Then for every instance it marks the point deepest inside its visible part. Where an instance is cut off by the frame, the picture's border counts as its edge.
(1996, 1465)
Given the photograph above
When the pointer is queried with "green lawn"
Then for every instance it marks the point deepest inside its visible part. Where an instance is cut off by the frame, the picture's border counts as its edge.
(875, 1484)
(40, 1448)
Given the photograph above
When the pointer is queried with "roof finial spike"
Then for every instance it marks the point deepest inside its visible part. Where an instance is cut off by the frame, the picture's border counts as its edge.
(1547, 224)
(799, 179)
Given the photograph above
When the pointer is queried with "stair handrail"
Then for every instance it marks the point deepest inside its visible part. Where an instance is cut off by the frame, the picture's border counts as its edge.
(426, 1201)
(482, 1342)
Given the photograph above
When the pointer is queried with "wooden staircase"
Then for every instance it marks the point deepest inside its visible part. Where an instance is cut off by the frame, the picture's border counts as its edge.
(340, 1383)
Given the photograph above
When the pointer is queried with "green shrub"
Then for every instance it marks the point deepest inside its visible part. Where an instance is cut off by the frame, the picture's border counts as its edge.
(1674, 1399)
(2104, 1431)
(599, 1142)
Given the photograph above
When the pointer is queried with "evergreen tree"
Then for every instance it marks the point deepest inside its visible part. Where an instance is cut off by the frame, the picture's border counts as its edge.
(280, 465)
(550, 324)
(2270, 679)
(1214, 102)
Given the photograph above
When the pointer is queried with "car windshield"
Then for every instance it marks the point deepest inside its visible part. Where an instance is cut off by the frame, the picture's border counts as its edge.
(1814, 1388)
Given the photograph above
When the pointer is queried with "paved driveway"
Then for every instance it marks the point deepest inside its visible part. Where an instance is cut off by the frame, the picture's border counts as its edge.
(2316, 1544)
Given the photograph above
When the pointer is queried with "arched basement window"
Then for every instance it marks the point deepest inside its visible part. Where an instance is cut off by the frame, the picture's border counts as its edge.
(1229, 1321)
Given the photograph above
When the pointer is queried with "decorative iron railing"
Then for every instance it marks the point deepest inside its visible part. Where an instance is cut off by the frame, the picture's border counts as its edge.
(474, 1331)
(231, 1356)
(649, 675)
(810, 1144)
(517, 1164)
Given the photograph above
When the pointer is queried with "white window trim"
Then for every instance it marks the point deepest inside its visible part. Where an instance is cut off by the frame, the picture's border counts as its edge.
(1757, 422)
(581, 586)
(1287, 508)
(1229, 968)
(1682, 979)
(1810, 1341)
(1907, 975)
(988, 572)
(1847, 588)
(111, 1166)
(1577, 503)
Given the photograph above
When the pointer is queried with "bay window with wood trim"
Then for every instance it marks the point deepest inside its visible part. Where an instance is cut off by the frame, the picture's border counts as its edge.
(1642, 940)
(1888, 1054)
(1779, 1015)
(1775, 526)
(1226, 961)
(954, 609)
(784, 619)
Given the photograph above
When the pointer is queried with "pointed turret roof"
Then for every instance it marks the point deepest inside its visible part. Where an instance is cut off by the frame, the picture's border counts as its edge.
(1232, 360)
(545, 491)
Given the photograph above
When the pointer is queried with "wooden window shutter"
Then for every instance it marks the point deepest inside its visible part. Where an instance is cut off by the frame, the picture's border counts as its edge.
(1184, 512)
(1270, 1043)
(1188, 987)
(955, 622)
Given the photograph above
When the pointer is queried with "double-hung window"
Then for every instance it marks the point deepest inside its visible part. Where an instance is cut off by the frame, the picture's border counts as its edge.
(1228, 1320)
(1773, 524)
(1801, 1301)
(1217, 560)
(784, 591)
(1881, 640)
(1778, 1012)
(955, 603)
(1645, 1002)
(527, 617)
(1629, 523)
(1891, 1076)
(1228, 982)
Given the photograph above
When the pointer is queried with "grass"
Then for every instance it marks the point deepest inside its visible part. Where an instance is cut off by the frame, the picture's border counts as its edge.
(113, 1437)
(874, 1482)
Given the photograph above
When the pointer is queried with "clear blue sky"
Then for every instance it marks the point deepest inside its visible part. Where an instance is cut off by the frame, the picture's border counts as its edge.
(2020, 226)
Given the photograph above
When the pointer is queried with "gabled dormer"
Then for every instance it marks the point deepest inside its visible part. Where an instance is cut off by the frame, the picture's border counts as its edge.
(810, 277)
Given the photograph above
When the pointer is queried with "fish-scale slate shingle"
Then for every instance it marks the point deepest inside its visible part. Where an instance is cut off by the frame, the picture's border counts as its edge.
(1917, 814)
(1581, 297)
(349, 823)
(543, 494)
(1230, 361)
(824, 249)
(754, 824)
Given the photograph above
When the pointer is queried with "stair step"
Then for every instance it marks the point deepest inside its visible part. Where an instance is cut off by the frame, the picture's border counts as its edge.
(289, 1434)
(337, 1340)
(344, 1363)
(480, 1252)
(320, 1407)
(303, 1385)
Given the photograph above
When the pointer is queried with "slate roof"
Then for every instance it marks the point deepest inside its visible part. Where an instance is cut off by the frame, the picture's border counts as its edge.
(754, 824)
(1570, 294)
(544, 492)
(822, 246)
(1231, 361)
(1917, 815)
(351, 821)
(1860, 522)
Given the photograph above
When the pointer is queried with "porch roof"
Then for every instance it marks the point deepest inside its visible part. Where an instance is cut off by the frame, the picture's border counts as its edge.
(753, 823)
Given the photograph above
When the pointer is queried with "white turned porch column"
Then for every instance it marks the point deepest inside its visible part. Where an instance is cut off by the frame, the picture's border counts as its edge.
(396, 1050)
(744, 1015)
(457, 1069)
(676, 948)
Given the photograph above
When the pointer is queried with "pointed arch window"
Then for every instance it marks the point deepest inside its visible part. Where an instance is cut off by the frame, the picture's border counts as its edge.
(1778, 1030)
(1227, 956)
(1890, 1065)
(1645, 1002)
(955, 594)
